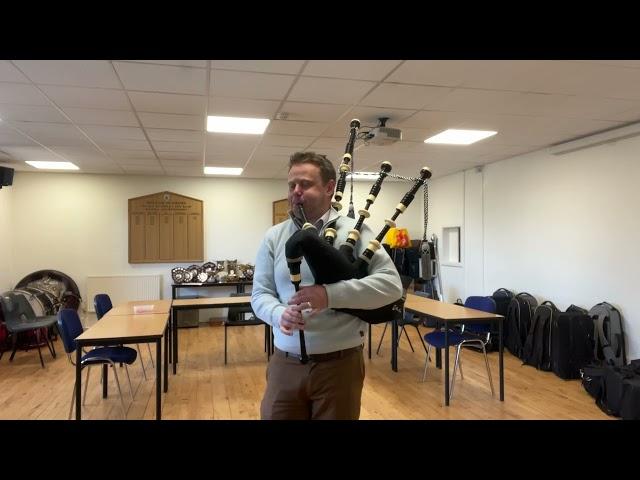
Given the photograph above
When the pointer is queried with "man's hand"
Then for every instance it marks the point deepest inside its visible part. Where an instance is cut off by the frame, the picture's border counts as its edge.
(313, 297)
(291, 319)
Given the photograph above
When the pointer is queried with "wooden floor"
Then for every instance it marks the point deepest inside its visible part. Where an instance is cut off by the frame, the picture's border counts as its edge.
(205, 388)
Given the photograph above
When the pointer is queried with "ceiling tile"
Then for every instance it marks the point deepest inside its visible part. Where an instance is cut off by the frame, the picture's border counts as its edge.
(242, 107)
(21, 94)
(120, 143)
(328, 90)
(9, 73)
(184, 171)
(31, 113)
(404, 96)
(193, 147)
(351, 69)
(180, 63)
(286, 141)
(265, 66)
(182, 163)
(162, 78)
(168, 103)
(86, 97)
(181, 156)
(266, 86)
(118, 153)
(78, 73)
(285, 127)
(92, 116)
(174, 121)
(110, 132)
(168, 135)
(313, 112)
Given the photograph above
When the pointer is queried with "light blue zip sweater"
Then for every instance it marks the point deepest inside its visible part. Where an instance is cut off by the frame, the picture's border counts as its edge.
(328, 330)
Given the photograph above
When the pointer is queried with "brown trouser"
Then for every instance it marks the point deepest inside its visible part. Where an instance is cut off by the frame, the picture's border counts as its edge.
(329, 387)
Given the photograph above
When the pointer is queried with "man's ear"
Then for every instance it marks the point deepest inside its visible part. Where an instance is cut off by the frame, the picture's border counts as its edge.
(331, 187)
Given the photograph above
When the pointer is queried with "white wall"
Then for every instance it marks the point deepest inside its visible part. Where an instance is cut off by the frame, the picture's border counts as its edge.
(446, 209)
(563, 228)
(6, 238)
(77, 223)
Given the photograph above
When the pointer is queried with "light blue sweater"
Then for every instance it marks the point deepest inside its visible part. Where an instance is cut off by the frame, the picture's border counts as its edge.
(328, 330)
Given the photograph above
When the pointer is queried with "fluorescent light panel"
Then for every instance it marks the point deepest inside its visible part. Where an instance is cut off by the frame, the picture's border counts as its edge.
(53, 165)
(222, 171)
(255, 126)
(460, 137)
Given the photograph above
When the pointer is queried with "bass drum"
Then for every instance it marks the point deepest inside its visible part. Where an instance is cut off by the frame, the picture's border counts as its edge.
(57, 287)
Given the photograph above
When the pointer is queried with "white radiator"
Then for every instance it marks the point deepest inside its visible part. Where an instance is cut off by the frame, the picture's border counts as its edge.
(122, 288)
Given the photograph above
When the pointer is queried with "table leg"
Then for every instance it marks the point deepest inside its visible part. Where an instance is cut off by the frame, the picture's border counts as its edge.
(369, 341)
(158, 378)
(105, 379)
(394, 344)
(501, 361)
(174, 327)
(78, 383)
(166, 357)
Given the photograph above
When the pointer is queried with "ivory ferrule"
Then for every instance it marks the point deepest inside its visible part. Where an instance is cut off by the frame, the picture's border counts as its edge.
(364, 213)
(374, 245)
(330, 232)
(401, 207)
(391, 223)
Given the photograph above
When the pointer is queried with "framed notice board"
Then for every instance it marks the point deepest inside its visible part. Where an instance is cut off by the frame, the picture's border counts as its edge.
(165, 227)
(280, 211)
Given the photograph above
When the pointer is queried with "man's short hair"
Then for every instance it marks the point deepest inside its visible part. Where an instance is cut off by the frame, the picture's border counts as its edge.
(327, 170)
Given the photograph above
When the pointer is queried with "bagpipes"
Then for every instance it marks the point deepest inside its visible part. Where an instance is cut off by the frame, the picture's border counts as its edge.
(329, 264)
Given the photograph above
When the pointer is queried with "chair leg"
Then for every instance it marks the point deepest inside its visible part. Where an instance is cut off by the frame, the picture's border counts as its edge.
(420, 337)
(426, 364)
(455, 368)
(144, 372)
(460, 368)
(86, 385)
(153, 363)
(51, 346)
(486, 362)
(126, 369)
(381, 338)
(115, 374)
(38, 345)
(14, 340)
(406, 335)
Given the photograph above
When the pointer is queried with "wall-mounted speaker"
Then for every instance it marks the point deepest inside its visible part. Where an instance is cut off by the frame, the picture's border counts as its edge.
(6, 176)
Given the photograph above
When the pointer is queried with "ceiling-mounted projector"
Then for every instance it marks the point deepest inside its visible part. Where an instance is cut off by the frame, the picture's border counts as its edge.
(382, 135)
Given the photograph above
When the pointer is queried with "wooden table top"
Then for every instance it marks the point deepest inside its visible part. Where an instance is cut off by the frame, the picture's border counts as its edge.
(122, 327)
(126, 308)
(445, 311)
(211, 301)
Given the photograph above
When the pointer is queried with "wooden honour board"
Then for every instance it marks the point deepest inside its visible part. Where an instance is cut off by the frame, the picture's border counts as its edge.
(280, 211)
(165, 227)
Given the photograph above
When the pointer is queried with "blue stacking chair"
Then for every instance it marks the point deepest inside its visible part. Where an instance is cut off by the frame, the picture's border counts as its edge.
(102, 304)
(70, 328)
(473, 334)
(407, 318)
